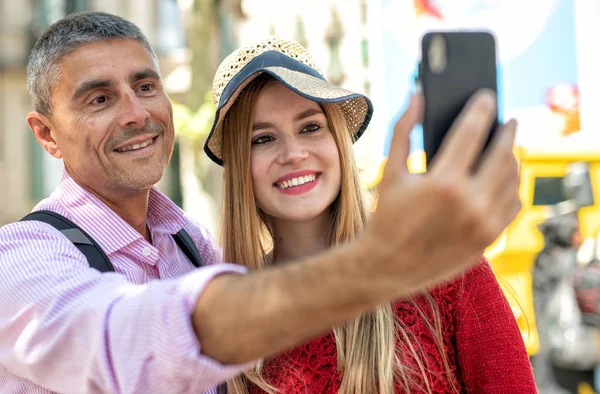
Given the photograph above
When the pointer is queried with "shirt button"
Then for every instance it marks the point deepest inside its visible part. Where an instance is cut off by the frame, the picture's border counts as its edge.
(146, 251)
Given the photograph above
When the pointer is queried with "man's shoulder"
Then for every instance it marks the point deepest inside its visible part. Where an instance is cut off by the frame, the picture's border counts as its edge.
(38, 242)
(205, 242)
(34, 240)
(197, 231)
(51, 204)
(23, 230)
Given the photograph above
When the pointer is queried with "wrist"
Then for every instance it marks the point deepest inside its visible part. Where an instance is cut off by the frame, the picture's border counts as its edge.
(385, 273)
(368, 269)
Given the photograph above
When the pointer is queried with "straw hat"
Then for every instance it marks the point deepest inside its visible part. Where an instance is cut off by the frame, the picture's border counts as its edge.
(291, 64)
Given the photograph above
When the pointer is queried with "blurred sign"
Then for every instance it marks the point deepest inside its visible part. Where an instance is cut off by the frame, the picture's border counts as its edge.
(538, 82)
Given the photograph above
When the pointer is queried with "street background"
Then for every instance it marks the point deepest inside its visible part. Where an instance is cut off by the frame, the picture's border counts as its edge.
(548, 57)
(548, 62)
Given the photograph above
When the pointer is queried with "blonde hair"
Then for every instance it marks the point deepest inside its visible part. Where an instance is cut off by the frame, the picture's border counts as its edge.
(366, 347)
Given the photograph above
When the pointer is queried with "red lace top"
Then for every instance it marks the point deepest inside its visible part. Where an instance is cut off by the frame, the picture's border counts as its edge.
(480, 335)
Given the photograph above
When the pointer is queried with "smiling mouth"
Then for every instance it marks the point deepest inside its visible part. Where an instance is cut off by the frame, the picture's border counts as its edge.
(298, 181)
(136, 146)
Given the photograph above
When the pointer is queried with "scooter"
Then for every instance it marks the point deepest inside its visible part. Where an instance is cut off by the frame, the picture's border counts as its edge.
(568, 347)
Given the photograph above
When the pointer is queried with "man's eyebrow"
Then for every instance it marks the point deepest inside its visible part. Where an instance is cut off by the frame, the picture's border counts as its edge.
(88, 86)
(144, 74)
(106, 83)
(302, 115)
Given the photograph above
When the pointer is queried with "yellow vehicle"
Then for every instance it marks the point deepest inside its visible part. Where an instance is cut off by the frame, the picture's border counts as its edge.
(512, 255)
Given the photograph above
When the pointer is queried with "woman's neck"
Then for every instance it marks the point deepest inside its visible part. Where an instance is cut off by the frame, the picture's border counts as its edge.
(293, 240)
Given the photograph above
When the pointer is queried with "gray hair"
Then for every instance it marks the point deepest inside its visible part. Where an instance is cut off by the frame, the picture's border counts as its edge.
(67, 34)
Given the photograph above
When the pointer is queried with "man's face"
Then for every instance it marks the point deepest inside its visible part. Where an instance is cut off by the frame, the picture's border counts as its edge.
(111, 120)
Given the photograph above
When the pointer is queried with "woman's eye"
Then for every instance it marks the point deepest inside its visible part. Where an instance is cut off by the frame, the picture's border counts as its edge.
(310, 128)
(262, 139)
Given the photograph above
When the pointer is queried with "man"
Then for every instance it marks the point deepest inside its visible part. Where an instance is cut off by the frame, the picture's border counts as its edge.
(158, 325)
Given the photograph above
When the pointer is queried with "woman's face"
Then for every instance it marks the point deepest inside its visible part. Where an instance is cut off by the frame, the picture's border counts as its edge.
(295, 161)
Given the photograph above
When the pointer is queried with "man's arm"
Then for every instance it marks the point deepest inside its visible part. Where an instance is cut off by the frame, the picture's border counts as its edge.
(67, 327)
(426, 229)
(243, 317)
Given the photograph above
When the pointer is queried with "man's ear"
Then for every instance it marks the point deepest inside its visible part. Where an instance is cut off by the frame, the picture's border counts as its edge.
(42, 129)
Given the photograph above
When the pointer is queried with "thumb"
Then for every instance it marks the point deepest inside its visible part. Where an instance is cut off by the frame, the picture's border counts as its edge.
(400, 144)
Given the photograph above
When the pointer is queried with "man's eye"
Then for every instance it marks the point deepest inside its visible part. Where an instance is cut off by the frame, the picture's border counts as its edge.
(262, 139)
(146, 88)
(99, 100)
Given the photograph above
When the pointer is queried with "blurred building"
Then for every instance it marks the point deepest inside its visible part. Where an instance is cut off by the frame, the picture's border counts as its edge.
(15, 142)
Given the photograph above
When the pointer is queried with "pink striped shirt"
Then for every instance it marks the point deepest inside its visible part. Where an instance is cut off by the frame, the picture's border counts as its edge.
(67, 328)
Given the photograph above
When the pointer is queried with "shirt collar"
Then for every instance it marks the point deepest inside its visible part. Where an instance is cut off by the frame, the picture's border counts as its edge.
(106, 227)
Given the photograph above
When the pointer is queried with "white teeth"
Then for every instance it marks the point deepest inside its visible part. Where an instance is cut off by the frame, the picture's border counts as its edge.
(297, 181)
(136, 146)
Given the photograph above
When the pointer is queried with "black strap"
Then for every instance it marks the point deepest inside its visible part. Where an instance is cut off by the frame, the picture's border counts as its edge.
(188, 247)
(87, 245)
(93, 252)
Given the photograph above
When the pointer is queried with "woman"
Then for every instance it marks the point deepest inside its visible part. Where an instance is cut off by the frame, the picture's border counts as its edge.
(284, 137)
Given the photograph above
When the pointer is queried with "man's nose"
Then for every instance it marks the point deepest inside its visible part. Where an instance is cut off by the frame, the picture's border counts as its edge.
(133, 112)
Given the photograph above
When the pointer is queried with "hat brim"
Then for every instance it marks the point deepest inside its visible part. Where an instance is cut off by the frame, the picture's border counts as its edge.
(299, 78)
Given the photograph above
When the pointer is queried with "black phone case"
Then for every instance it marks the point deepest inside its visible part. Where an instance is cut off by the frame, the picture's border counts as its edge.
(471, 65)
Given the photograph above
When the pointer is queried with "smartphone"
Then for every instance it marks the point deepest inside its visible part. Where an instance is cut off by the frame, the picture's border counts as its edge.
(454, 65)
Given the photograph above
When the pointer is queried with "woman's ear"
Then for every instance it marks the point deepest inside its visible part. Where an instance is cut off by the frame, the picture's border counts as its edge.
(42, 129)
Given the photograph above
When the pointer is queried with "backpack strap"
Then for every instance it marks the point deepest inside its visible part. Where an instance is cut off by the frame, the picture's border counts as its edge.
(93, 252)
(87, 245)
(188, 247)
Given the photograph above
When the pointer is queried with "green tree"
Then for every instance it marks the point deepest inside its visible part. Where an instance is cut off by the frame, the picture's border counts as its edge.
(211, 30)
